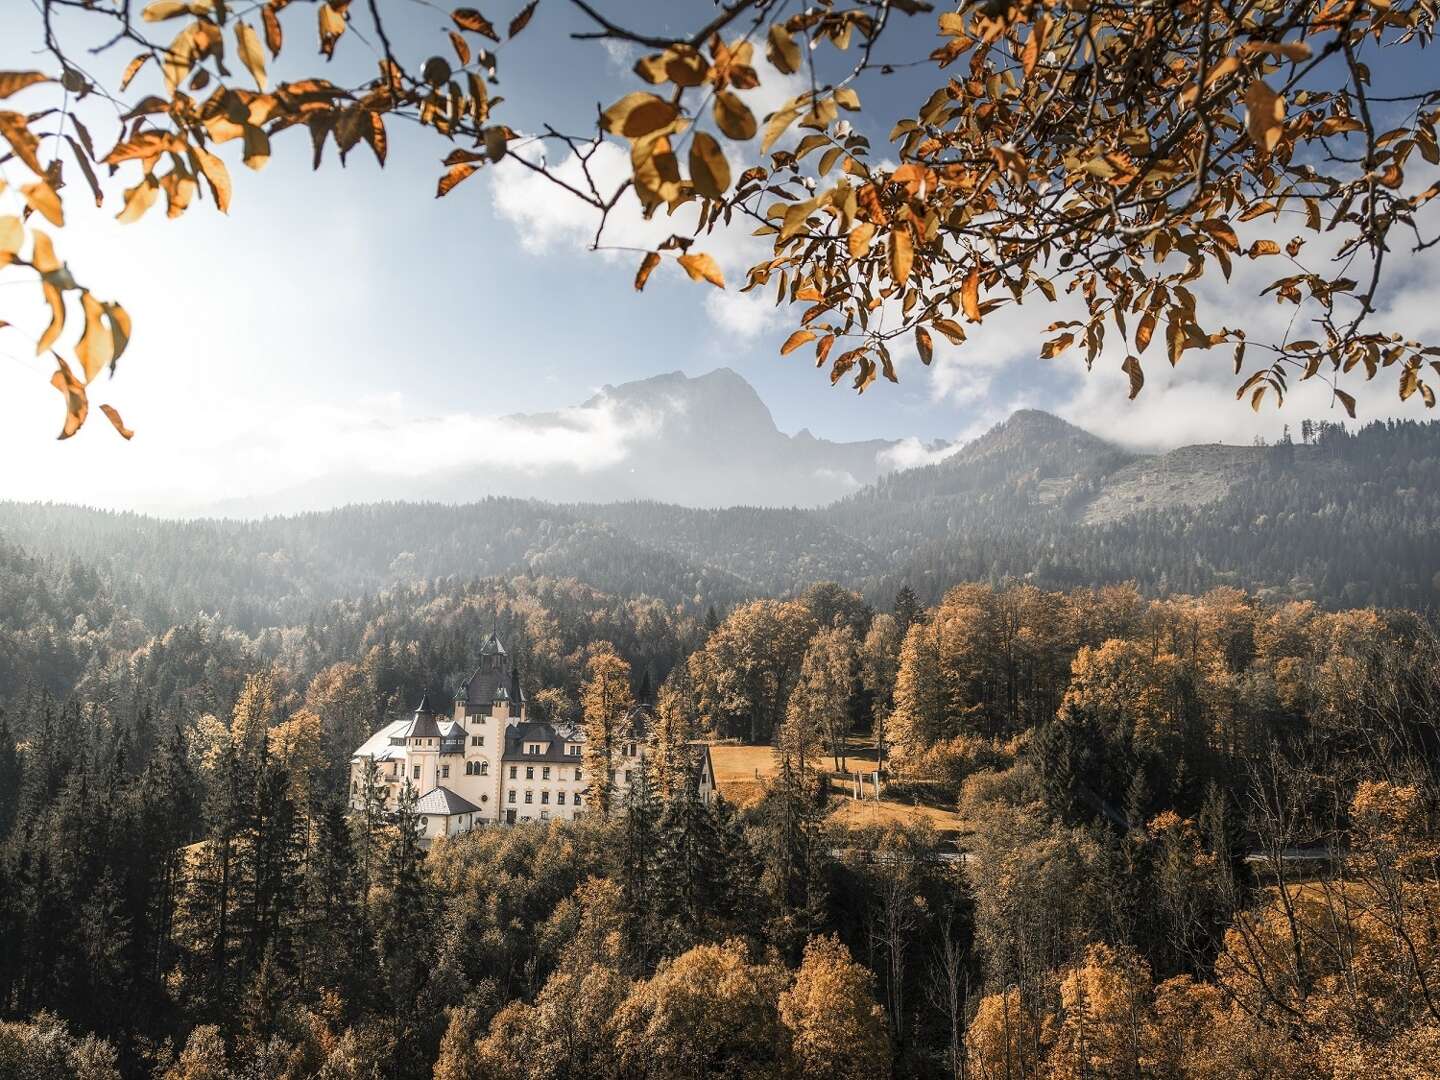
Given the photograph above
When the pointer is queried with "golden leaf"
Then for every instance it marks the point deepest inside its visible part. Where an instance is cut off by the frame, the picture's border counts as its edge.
(782, 50)
(775, 125)
(795, 340)
(113, 415)
(119, 330)
(734, 117)
(1347, 401)
(702, 267)
(709, 171)
(274, 37)
(56, 300)
(1295, 50)
(1131, 367)
(12, 82)
(522, 20)
(42, 256)
(471, 20)
(12, 236)
(859, 239)
(1264, 115)
(925, 345)
(332, 25)
(252, 54)
(17, 133)
(160, 10)
(42, 199)
(1145, 331)
(139, 199)
(256, 154)
(96, 347)
(970, 294)
(647, 267)
(638, 114)
(77, 406)
(133, 68)
(461, 47)
(456, 174)
(951, 329)
(902, 255)
(216, 175)
(145, 146)
(1263, 247)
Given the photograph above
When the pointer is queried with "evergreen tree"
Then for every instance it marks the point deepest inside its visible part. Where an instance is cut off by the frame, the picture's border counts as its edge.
(688, 870)
(907, 608)
(635, 868)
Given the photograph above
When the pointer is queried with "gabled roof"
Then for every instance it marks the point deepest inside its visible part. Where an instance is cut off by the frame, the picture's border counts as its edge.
(378, 745)
(492, 646)
(443, 802)
(536, 731)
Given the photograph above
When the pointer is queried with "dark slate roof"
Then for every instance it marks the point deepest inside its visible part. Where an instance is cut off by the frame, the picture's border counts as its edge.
(495, 678)
(422, 726)
(534, 731)
(492, 646)
(443, 802)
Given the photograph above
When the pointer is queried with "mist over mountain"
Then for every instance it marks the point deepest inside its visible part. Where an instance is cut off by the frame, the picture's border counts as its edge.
(703, 441)
(1342, 517)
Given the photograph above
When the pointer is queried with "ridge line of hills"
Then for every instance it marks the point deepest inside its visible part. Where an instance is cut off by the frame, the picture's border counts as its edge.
(1343, 518)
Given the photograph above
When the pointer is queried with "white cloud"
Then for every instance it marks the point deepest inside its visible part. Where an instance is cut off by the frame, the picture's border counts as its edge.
(911, 453)
(745, 315)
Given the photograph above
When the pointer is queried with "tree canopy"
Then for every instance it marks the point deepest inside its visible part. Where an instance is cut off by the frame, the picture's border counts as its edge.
(1100, 156)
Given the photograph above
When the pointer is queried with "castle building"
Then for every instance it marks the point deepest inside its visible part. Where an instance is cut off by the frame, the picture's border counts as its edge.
(489, 763)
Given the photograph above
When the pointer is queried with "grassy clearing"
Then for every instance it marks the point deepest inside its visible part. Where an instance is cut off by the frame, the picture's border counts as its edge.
(740, 773)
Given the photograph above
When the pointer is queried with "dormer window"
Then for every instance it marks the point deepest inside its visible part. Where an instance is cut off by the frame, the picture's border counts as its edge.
(532, 748)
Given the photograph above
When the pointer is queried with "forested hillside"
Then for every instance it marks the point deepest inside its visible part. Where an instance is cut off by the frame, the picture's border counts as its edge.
(1343, 518)
(187, 896)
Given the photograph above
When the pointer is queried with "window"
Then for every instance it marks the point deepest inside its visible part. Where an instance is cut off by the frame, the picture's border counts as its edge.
(512, 797)
(545, 772)
(512, 772)
(445, 772)
(424, 823)
(545, 798)
(484, 768)
(532, 748)
(477, 740)
(573, 750)
(544, 815)
(627, 776)
(632, 749)
(577, 772)
(579, 799)
(354, 787)
(529, 796)
(560, 797)
(417, 772)
(529, 772)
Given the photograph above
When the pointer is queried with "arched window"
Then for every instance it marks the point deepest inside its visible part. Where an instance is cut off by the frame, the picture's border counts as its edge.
(484, 768)
(469, 768)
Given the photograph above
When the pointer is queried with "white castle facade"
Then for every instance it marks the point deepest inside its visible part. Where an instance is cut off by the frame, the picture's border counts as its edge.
(489, 763)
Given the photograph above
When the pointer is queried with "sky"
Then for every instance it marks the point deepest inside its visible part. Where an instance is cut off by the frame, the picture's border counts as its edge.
(347, 318)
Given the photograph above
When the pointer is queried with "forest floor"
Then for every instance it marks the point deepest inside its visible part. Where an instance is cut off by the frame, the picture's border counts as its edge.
(741, 771)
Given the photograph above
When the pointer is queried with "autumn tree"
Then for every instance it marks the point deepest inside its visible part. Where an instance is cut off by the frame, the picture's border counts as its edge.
(819, 705)
(677, 721)
(605, 701)
(753, 660)
(1101, 158)
(829, 1010)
